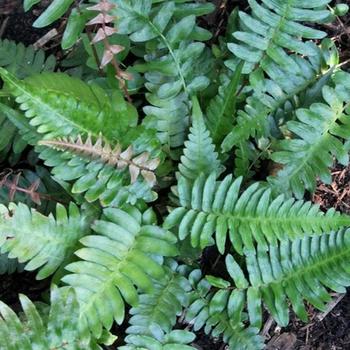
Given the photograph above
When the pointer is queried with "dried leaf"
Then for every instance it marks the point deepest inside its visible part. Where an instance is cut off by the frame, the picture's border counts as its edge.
(152, 164)
(134, 173)
(100, 35)
(125, 75)
(107, 57)
(141, 159)
(110, 31)
(103, 6)
(99, 19)
(127, 154)
(149, 177)
(116, 48)
(13, 187)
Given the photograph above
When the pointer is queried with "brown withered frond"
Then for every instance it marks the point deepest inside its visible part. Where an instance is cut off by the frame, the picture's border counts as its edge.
(13, 186)
(101, 150)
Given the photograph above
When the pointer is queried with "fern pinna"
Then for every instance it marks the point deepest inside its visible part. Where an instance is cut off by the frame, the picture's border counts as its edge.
(154, 143)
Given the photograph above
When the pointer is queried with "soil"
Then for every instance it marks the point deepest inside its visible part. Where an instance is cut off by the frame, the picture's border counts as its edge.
(331, 333)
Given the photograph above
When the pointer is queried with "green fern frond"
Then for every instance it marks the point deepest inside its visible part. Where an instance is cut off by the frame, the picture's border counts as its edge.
(199, 154)
(276, 93)
(317, 136)
(251, 122)
(9, 266)
(274, 27)
(221, 109)
(105, 173)
(24, 61)
(157, 312)
(42, 241)
(59, 105)
(293, 271)
(28, 133)
(172, 74)
(94, 177)
(210, 310)
(140, 165)
(209, 206)
(247, 159)
(175, 340)
(57, 330)
(123, 253)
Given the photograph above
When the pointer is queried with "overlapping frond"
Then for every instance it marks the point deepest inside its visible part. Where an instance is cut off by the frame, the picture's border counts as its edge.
(253, 216)
(318, 136)
(57, 330)
(157, 313)
(172, 74)
(43, 242)
(222, 108)
(103, 172)
(137, 165)
(210, 310)
(59, 105)
(276, 93)
(293, 271)
(122, 254)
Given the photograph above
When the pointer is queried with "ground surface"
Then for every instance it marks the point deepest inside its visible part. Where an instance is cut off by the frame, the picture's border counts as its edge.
(330, 333)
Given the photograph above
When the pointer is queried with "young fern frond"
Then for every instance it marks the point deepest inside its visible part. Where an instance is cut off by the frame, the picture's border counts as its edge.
(139, 165)
(123, 253)
(42, 242)
(157, 312)
(170, 65)
(57, 330)
(254, 216)
(292, 271)
(199, 153)
(318, 136)
(210, 310)
(221, 109)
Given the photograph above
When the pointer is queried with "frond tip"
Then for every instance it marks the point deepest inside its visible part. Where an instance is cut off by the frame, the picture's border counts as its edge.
(101, 150)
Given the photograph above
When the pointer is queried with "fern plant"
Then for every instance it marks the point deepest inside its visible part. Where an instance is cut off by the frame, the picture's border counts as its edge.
(117, 185)
(55, 328)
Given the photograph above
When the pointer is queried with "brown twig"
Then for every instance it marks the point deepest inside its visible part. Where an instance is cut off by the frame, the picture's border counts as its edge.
(31, 191)
(330, 307)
